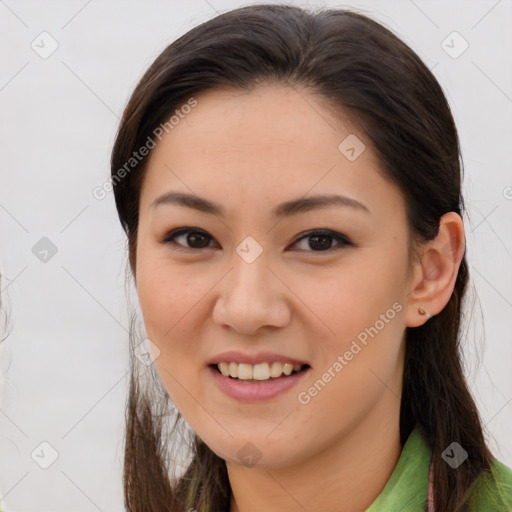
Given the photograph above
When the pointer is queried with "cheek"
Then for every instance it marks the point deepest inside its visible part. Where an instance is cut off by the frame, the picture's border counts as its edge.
(173, 311)
(350, 301)
(165, 295)
(364, 310)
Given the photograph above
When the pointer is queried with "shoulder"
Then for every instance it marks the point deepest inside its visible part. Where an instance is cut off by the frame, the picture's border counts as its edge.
(492, 491)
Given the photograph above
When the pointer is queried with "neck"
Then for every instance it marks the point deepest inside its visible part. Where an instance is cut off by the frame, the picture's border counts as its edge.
(347, 476)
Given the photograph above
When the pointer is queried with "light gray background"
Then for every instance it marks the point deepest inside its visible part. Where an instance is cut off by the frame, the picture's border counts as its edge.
(64, 365)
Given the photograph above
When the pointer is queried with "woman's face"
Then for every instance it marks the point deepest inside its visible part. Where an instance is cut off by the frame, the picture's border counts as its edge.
(249, 285)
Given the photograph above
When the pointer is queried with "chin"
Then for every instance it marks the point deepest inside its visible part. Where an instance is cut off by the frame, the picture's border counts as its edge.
(257, 452)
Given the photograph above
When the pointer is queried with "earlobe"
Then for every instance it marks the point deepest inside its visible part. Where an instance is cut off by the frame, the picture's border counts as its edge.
(436, 270)
(422, 312)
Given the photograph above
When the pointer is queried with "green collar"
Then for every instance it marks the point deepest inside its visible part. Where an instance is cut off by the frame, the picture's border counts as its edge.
(407, 486)
(406, 490)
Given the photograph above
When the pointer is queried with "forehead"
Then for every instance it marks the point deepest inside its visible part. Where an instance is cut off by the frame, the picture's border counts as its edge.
(274, 116)
(262, 147)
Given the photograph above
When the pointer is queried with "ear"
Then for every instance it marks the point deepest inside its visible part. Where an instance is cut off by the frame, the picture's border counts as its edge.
(435, 271)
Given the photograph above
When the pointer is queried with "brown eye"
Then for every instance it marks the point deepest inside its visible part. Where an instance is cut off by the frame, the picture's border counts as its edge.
(194, 238)
(321, 241)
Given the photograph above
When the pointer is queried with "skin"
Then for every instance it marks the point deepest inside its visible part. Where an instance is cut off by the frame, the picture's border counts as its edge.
(249, 151)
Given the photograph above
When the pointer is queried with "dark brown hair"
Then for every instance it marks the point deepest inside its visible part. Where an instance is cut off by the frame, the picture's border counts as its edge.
(357, 65)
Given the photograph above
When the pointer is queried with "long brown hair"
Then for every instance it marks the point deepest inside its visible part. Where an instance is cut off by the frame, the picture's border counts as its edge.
(360, 66)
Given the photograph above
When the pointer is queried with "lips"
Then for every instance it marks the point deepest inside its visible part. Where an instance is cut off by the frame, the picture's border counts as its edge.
(254, 359)
(251, 391)
(255, 377)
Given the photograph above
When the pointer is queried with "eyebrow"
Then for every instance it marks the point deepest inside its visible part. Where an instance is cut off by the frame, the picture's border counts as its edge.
(296, 206)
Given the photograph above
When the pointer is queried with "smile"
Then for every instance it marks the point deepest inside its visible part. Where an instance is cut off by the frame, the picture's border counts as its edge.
(258, 372)
(258, 382)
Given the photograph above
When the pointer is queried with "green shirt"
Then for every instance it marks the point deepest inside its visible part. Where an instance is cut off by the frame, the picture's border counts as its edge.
(407, 488)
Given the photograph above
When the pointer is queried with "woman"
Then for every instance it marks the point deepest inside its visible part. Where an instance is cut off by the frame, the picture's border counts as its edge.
(289, 183)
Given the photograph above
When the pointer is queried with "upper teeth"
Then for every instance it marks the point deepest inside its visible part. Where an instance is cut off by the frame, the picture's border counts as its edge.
(262, 371)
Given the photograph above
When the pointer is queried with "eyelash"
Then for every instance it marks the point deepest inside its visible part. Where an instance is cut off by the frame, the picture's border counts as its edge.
(342, 239)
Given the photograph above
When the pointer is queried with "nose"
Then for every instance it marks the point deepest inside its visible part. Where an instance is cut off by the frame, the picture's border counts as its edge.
(251, 297)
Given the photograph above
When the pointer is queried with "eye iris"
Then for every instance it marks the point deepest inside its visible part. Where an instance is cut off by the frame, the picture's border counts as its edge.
(194, 236)
(326, 245)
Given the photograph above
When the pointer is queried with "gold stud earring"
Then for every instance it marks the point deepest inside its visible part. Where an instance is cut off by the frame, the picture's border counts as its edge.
(422, 312)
